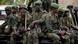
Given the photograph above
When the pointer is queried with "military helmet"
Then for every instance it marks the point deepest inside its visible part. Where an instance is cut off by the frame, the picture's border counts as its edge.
(54, 5)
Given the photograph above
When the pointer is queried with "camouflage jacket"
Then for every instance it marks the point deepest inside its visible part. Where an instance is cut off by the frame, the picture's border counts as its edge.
(12, 20)
(50, 21)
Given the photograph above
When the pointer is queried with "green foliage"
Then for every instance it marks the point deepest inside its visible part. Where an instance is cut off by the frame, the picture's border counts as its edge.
(2, 2)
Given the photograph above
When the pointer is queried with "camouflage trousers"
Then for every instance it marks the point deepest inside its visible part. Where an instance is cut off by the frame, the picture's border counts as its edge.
(54, 37)
(27, 38)
(34, 35)
(31, 37)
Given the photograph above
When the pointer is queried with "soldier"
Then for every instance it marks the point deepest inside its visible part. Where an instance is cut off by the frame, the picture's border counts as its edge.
(12, 20)
(71, 10)
(51, 23)
(22, 12)
(8, 12)
(50, 20)
(60, 15)
(67, 19)
(36, 15)
(37, 11)
(24, 18)
(64, 35)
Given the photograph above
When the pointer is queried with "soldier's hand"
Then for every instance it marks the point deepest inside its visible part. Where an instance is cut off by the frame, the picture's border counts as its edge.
(63, 37)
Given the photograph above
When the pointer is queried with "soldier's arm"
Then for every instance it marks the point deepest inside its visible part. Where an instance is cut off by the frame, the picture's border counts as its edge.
(37, 22)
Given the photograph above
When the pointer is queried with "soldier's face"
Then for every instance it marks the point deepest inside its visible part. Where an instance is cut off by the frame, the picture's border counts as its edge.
(8, 12)
(13, 11)
(37, 9)
(54, 11)
(22, 11)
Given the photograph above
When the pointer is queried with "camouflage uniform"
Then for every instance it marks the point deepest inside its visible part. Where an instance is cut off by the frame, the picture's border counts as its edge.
(65, 35)
(8, 12)
(12, 23)
(67, 20)
(27, 34)
(51, 24)
(24, 20)
(50, 19)
(36, 15)
(13, 19)
(60, 15)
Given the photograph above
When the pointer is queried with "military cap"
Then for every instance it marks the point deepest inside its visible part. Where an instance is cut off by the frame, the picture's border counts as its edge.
(22, 7)
(54, 5)
(61, 9)
(38, 2)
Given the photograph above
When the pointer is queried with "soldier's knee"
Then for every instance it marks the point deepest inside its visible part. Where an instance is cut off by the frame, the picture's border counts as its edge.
(53, 36)
(56, 36)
